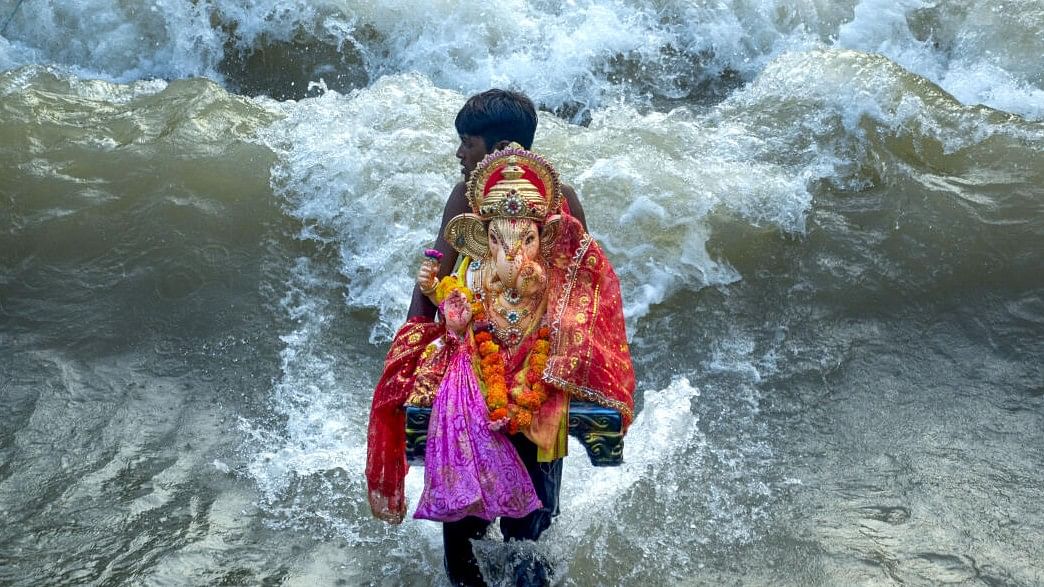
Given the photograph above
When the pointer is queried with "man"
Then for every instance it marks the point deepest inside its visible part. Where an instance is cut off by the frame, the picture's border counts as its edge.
(489, 122)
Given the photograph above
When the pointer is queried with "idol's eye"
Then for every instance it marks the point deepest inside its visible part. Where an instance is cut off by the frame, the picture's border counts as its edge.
(530, 239)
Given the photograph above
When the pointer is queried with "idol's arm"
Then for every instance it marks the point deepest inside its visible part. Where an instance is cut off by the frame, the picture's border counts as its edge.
(456, 204)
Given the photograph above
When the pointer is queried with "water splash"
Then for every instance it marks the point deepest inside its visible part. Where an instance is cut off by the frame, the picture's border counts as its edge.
(575, 57)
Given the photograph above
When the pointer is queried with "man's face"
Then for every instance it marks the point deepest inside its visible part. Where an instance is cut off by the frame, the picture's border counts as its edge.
(471, 151)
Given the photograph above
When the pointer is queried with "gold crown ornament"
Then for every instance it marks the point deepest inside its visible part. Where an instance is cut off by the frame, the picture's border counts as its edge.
(511, 183)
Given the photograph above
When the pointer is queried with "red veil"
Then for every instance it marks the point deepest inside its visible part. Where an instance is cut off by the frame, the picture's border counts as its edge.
(589, 356)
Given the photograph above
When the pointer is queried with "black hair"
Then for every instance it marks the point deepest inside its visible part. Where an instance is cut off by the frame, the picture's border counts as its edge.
(498, 115)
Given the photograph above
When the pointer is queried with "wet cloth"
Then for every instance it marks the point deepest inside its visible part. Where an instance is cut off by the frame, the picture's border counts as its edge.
(470, 470)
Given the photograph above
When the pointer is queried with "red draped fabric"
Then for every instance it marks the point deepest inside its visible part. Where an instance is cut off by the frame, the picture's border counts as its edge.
(386, 438)
(589, 356)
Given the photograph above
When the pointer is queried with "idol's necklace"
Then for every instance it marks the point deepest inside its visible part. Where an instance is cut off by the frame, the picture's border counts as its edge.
(512, 324)
(512, 315)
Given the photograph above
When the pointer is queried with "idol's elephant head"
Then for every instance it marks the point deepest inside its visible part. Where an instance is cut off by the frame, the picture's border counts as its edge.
(515, 250)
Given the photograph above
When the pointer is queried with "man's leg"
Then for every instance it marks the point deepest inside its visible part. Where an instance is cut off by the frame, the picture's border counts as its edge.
(461, 566)
(547, 481)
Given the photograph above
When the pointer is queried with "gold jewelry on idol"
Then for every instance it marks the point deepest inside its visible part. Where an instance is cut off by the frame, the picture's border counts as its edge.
(519, 321)
(511, 316)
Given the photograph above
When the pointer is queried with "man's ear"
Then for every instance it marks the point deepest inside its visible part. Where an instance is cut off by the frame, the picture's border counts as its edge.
(501, 145)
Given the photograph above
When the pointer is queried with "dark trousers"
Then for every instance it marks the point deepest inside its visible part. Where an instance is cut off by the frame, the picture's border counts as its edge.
(461, 566)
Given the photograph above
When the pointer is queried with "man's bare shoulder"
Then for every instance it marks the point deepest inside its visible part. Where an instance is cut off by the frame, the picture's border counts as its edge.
(457, 203)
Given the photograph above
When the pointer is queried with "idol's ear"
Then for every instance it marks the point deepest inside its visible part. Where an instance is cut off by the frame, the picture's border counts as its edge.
(549, 234)
(467, 234)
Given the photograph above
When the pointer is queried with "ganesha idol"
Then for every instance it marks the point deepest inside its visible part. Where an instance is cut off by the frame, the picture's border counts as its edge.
(530, 340)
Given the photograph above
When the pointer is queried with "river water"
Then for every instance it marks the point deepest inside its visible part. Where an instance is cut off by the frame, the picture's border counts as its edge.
(827, 218)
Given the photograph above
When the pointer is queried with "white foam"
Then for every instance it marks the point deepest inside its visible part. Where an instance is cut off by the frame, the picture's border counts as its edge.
(369, 171)
(586, 52)
(308, 396)
(818, 102)
(589, 491)
(678, 493)
(123, 42)
(988, 52)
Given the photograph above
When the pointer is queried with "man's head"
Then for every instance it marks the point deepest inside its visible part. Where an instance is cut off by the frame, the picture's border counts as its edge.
(491, 120)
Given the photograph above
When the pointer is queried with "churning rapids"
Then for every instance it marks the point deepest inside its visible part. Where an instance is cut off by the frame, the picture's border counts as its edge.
(826, 215)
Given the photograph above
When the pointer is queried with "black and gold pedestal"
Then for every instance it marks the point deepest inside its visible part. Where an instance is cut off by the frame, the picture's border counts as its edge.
(599, 429)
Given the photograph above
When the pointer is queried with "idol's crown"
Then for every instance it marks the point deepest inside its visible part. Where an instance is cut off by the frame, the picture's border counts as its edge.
(514, 183)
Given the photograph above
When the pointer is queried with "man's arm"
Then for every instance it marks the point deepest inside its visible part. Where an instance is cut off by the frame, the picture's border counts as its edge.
(456, 204)
(574, 205)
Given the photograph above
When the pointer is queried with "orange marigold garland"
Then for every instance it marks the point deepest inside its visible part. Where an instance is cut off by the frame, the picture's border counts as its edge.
(525, 400)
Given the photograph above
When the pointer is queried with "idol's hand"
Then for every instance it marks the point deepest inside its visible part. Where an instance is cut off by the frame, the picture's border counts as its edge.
(457, 312)
(427, 277)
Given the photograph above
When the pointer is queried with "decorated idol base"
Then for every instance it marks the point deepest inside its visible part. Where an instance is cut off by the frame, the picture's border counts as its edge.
(598, 428)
